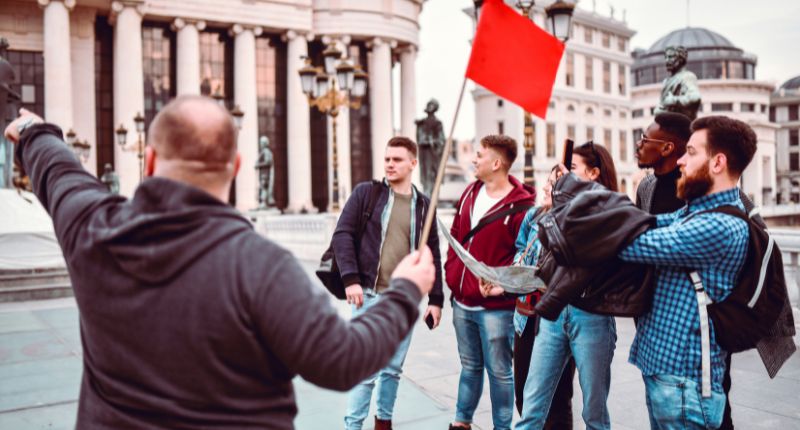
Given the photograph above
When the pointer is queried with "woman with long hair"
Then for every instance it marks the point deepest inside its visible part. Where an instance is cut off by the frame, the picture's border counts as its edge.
(587, 338)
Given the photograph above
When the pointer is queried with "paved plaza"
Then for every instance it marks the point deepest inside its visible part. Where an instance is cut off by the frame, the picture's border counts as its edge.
(40, 371)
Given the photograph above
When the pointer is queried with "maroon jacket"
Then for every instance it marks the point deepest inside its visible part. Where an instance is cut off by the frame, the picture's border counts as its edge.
(493, 245)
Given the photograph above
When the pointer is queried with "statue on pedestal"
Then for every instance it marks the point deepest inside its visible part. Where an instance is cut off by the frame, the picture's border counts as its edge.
(680, 93)
(266, 174)
(430, 139)
(110, 179)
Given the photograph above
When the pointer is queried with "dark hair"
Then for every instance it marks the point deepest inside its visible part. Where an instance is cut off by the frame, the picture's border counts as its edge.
(403, 142)
(731, 137)
(177, 136)
(598, 156)
(678, 126)
(506, 146)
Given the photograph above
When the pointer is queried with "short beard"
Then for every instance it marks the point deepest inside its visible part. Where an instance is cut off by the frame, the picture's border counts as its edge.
(695, 186)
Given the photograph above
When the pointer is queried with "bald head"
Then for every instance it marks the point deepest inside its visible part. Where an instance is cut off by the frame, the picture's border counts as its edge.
(193, 140)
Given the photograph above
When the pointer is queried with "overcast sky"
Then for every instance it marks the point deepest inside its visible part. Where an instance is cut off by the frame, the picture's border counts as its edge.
(770, 29)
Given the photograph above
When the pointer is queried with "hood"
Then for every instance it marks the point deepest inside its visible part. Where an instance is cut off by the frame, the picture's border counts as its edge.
(166, 226)
(521, 193)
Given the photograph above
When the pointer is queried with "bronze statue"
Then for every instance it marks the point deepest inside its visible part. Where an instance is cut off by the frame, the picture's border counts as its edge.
(265, 174)
(430, 138)
(680, 93)
(110, 179)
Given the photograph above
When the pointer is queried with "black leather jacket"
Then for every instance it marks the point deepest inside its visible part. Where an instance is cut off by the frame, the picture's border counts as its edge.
(581, 237)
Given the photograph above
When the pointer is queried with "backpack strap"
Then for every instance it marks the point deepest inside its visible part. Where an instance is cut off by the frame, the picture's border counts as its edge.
(375, 192)
(492, 218)
(705, 337)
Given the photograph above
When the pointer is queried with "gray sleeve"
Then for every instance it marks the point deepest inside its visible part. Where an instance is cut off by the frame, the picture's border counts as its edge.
(297, 324)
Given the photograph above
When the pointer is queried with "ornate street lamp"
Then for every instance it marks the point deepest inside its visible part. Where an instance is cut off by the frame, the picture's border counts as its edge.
(237, 115)
(338, 85)
(559, 21)
(122, 141)
(80, 148)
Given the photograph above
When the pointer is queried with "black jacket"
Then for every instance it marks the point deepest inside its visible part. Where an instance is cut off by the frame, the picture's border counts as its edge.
(359, 264)
(579, 266)
(190, 319)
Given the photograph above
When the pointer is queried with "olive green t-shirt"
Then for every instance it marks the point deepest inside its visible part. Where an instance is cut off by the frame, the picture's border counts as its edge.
(397, 243)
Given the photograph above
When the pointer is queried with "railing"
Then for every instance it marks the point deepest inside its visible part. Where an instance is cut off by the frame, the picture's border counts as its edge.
(308, 236)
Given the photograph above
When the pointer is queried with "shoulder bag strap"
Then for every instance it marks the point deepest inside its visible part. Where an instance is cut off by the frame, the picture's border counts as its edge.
(492, 218)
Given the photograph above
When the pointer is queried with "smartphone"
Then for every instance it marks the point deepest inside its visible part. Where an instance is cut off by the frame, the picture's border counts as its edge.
(429, 321)
(568, 146)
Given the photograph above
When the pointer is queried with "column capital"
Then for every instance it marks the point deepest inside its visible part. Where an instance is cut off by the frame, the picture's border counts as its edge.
(293, 34)
(377, 41)
(118, 6)
(238, 29)
(180, 23)
(408, 49)
(69, 4)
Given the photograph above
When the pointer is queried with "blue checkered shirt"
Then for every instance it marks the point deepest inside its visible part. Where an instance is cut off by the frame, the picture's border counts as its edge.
(668, 337)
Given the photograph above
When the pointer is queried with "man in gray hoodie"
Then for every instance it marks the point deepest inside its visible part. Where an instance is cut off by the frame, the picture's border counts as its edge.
(189, 319)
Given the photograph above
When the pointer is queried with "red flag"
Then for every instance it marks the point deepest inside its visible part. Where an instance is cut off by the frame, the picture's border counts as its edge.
(514, 58)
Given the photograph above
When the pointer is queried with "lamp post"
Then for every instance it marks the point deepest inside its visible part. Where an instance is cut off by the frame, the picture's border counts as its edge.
(122, 137)
(79, 147)
(338, 84)
(559, 21)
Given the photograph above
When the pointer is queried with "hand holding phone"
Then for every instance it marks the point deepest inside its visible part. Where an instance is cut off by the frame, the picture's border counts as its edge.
(429, 321)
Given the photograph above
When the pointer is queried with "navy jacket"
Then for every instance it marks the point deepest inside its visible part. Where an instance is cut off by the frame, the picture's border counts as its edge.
(360, 266)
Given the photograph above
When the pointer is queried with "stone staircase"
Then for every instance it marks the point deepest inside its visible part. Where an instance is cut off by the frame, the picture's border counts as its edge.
(34, 284)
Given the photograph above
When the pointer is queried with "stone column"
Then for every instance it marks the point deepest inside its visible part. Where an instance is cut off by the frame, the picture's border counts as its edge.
(380, 89)
(188, 56)
(408, 91)
(244, 94)
(298, 124)
(57, 62)
(128, 89)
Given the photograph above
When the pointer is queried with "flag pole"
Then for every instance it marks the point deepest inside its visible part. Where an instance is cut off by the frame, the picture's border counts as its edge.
(426, 229)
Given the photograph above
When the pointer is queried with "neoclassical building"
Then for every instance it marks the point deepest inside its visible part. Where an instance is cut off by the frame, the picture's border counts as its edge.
(92, 65)
(785, 104)
(591, 99)
(728, 86)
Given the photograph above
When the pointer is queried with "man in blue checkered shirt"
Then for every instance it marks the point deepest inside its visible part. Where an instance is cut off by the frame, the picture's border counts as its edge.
(667, 347)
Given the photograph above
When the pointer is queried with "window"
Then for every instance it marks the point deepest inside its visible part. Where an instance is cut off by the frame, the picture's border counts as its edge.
(500, 127)
(588, 35)
(748, 107)
(213, 47)
(551, 140)
(794, 161)
(607, 112)
(622, 115)
(571, 131)
(606, 39)
(793, 112)
(29, 68)
(105, 137)
(570, 108)
(500, 103)
(570, 75)
(763, 108)
(623, 145)
(793, 138)
(533, 138)
(735, 70)
(606, 77)
(621, 45)
(623, 79)
(158, 44)
(721, 107)
(589, 111)
(772, 113)
(607, 138)
(637, 113)
(590, 133)
(589, 73)
(271, 96)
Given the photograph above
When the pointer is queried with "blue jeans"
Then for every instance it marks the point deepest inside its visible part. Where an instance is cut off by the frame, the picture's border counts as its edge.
(591, 340)
(675, 403)
(485, 339)
(388, 378)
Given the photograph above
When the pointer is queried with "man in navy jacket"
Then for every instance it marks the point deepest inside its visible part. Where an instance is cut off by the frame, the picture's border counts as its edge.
(392, 231)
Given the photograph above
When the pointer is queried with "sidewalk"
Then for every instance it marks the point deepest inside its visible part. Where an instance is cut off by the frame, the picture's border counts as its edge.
(40, 371)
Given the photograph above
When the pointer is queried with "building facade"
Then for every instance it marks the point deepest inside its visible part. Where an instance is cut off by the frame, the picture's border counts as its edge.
(784, 106)
(92, 65)
(728, 86)
(591, 100)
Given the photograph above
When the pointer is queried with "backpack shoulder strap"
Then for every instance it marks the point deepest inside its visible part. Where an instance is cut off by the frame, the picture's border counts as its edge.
(375, 192)
(494, 217)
